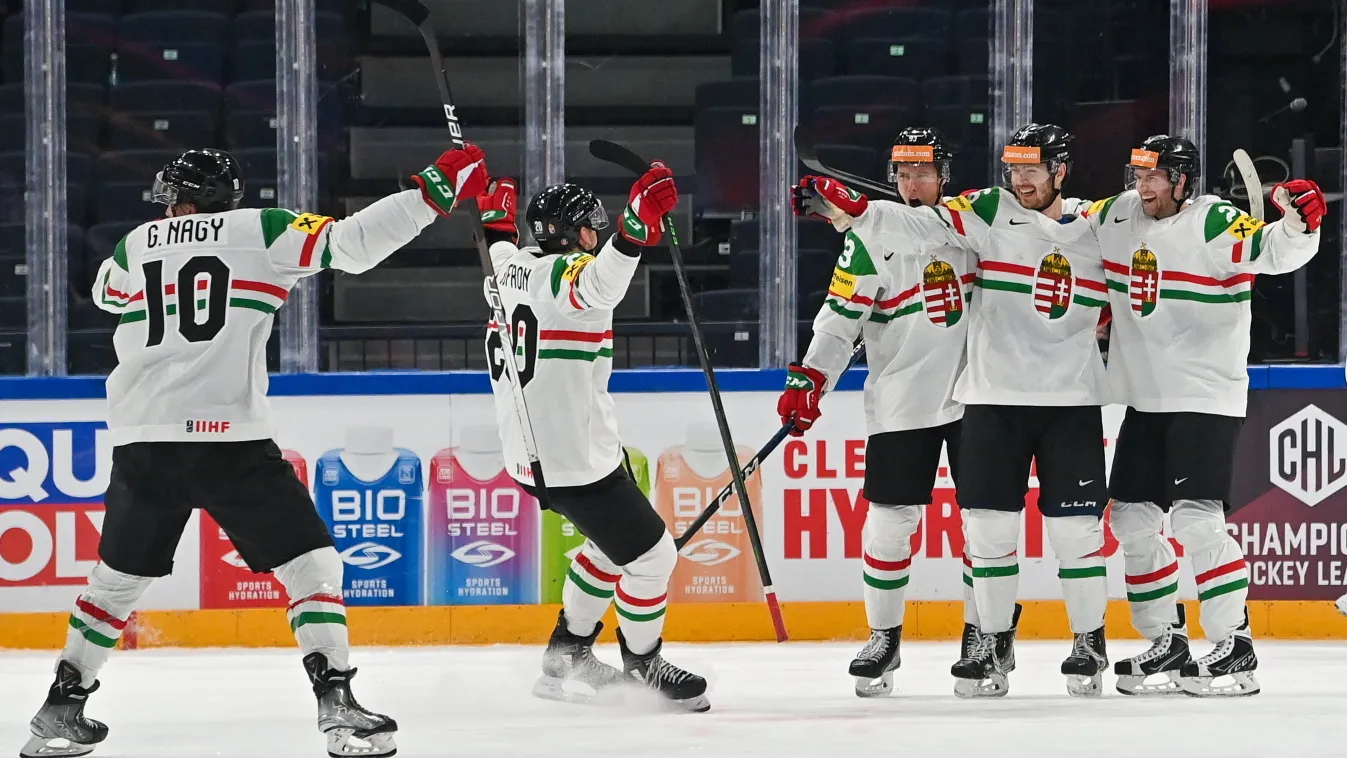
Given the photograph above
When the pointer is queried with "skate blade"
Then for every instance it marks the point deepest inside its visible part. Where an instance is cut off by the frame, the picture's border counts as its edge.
(1241, 684)
(577, 693)
(52, 747)
(699, 704)
(867, 687)
(342, 743)
(1130, 684)
(994, 686)
(1079, 685)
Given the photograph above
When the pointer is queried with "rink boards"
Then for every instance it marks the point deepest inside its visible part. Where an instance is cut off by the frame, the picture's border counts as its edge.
(443, 548)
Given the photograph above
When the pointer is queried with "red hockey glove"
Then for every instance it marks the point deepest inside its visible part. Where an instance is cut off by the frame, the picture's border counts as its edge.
(1304, 197)
(799, 402)
(814, 194)
(652, 196)
(498, 205)
(456, 174)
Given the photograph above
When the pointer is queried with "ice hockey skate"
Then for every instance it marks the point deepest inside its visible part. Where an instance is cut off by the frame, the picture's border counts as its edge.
(571, 673)
(1084, 668)
(351, 729)
(874, 665)
(1161, 664)
(60, 727)
(982, 673)
(683, 688)
(1226, 671)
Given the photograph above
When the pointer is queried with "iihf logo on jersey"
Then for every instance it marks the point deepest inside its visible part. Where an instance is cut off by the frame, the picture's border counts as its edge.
(207, 427)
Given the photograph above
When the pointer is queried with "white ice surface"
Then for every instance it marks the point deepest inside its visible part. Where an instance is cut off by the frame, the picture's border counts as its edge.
(767, 700)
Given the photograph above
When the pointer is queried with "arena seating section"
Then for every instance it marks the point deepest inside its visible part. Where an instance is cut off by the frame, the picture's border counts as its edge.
(676, 80)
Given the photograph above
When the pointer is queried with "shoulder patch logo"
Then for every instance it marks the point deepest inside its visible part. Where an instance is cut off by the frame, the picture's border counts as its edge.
(960, 203)
(1096, 207)
(943, 296)
(575, 266)
(309, 223)
(1244, 226)
(1052, 286)
(843, 284)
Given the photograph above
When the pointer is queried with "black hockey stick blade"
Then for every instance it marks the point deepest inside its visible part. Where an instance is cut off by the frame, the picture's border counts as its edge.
(611, 152)
(413, 10)
(807, 149)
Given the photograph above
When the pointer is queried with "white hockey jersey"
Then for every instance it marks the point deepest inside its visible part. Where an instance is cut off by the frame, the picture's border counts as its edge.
(1180, 289)
(906, 292)
(197, 296)
(1039, 294)
(561, 313)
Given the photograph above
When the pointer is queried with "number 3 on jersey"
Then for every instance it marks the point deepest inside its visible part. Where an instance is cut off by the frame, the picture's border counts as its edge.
(524, 334)
(201, 299)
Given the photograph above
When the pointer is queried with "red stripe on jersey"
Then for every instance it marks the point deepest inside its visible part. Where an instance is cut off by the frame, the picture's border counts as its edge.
(1091, 284)
(1006, 268)
(575, 303)
(310, 244)
(263, 287)
(118, 295)
(1117, 268)
(573, 336)
(956, 218)
(170, 289)
(98, 614)
(1237, 252)
(905, 294)
(1184, 276)
(968, 278)
(138, 296)
(202, 284)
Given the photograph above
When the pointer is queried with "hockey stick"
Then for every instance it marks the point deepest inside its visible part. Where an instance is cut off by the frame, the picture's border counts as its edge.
(806, 148)
(751, 467)
(1253, 186)
(419, 15)
(618, 155)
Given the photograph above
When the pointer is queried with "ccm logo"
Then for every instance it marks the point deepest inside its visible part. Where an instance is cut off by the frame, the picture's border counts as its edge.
(482, 554)
(710, 552)
(369, 555)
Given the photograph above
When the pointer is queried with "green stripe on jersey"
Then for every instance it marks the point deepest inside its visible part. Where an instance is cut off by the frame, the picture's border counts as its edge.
(274, 223)
(993, 284)
(1202, 297)
(119, 255)
(257, 305)
(575, 355)
(132, 317)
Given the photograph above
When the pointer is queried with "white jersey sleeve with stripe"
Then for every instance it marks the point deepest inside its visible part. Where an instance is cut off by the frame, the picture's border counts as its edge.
(561, 314)
(1039, 294)
(1181, 289)
(193, 369)
(906, 292)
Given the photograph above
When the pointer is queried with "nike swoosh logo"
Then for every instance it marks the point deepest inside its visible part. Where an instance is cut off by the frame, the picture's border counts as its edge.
(1119, 220)
(888, 256)
(1017, 222)
(1084, 482)
(1181, 481)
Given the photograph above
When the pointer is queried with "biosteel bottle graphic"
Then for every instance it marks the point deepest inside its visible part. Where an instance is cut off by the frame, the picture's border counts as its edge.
(561, 540)
(483, 527)
(226, 581)
(371, 495)
(717, 565)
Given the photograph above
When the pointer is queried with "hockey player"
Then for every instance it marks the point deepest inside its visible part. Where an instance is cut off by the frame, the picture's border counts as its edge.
(191, 427)
(1180, 276)
(1033, 389)
(559, 298)
(907, 294)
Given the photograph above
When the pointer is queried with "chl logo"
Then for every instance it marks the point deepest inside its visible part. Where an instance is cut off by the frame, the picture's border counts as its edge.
(482, 554)
(369, 555)
(1304, 455)
(710, 552)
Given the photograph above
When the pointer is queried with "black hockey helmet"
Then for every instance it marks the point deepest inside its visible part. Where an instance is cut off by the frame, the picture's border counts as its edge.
(556, 215)
(1038, 143)
(1177, 155)
(207, 178)
(920, 144)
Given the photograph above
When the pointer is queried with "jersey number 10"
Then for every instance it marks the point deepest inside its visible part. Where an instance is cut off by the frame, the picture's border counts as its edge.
(213, 291)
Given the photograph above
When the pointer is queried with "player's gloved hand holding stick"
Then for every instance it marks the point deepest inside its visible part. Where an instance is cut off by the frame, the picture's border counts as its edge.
(1302, 205)
(826, 198)
(499, 205)
(789, 427)
(456, 174)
